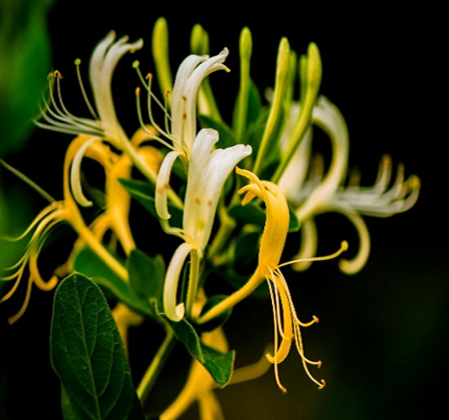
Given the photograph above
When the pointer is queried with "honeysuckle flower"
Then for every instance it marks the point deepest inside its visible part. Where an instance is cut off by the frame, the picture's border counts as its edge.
(321, 193)
(208, 171)
(55, 213)
(182, 133)
(287, 325)
(104, 122)
(103, 126)
(115, 216)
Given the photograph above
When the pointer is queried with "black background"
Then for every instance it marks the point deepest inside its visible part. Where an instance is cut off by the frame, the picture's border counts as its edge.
(383, 332)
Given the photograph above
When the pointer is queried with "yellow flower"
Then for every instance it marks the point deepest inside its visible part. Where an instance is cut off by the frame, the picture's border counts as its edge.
(208, 171)
(287, 325)
(55, 213)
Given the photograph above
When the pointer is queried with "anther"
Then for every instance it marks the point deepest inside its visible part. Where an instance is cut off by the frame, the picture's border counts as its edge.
(323, 384)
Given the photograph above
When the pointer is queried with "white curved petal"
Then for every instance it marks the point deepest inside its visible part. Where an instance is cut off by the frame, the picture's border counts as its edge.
(163, 185)
(309, 244)
(102, 65)
(75, 178)
(207, 175)
(173, 311)
(356, 264)
(188, 80)
(327, 116)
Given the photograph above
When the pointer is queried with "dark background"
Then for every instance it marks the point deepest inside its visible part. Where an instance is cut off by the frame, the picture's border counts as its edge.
(382, 335)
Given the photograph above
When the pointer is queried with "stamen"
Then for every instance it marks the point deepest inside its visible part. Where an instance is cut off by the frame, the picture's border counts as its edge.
(144, 127)
(83, 91)
(26, 301)
(27, 180)
(343, 248)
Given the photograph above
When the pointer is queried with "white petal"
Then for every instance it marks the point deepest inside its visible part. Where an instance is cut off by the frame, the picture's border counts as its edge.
(327, 116)
(173, 311)
(207, 175)
(162, 185)
(102, 65)
(75, 178)
(191, 74)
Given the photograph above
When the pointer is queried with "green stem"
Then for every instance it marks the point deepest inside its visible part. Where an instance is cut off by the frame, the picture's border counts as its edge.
(148, 380)
(193, 280)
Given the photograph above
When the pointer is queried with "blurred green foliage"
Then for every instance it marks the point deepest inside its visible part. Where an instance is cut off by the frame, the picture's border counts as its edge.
(25, 57)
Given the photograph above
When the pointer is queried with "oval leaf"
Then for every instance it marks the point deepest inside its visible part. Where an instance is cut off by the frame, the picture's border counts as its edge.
(88, 356)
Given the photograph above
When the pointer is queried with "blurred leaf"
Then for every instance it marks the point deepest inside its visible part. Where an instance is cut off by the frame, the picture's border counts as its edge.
(251, 214)
(226, 136)
(25, 53)
(87, 354)
(247, 248)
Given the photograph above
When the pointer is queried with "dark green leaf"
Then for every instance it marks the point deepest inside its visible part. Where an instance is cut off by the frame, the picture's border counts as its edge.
(87, 354)
(146, 275)
(294, 222)
(250, 214)
(247, 249)
(88, 263)
(143, 192)
(226, 135)
(218, 364)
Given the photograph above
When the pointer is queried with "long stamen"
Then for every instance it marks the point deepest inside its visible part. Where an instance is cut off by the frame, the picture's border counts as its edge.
(143, 126)
(276, 369)
(83, 91)
(343, 247)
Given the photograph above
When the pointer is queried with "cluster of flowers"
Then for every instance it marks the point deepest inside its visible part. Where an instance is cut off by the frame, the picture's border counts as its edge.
(278, 179)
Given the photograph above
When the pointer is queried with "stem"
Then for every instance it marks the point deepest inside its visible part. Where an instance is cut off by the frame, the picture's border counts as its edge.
(193, 280)
(148, 380)
(101, 251)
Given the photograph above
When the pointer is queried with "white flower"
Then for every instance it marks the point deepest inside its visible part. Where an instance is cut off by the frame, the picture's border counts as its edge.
(188, 79)
(320, 193)
(105, 125)
(208, 171)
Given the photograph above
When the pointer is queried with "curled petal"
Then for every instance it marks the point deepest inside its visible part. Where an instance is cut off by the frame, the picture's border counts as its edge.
(173, 311)
(356, 264)
(309, 243)
(75, 178)
(162, 185)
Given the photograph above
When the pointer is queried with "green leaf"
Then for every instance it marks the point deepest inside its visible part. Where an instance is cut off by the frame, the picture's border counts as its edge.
(25, 51)
(294, 222)
(249, 214)
(146, 275)
(88, 263)
(219, 365)
(88, 356)
(226, 135)
(143, 192)
(247, 249)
